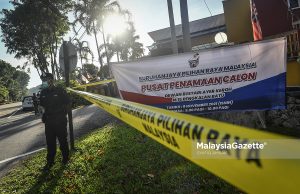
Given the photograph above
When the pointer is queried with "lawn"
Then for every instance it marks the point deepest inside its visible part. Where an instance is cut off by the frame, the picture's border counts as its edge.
(114, 159)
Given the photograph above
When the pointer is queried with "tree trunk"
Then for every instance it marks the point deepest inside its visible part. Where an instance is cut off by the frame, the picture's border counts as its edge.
(52, 65)
(37, 68)
(57, 71)
(52, 61)
(55, 62)
(104, 42)
(42, 61)
(95, 34)
(118, 56)
(80, 54)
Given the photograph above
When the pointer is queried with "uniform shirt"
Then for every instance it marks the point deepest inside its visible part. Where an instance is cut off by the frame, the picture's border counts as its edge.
(34, 99)
(54, 100)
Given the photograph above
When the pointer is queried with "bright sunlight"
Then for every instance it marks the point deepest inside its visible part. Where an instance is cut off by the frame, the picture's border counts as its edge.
(114, 24)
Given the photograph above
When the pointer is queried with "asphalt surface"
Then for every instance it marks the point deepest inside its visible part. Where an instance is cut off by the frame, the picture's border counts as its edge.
(8, 109)
(23, 132)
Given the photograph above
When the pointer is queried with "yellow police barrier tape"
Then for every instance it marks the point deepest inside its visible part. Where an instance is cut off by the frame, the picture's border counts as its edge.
(179, 132)
(96, 83)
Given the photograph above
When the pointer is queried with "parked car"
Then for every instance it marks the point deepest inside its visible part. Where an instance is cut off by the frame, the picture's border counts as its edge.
(27, 103)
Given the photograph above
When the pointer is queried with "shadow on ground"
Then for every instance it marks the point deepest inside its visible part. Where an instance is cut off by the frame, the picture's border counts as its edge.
(51, 176)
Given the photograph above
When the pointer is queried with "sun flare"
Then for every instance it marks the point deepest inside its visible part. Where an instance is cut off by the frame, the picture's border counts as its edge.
(114, 24)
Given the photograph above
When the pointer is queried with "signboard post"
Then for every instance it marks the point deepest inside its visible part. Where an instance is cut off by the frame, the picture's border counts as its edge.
(67, 54)
(72, 56)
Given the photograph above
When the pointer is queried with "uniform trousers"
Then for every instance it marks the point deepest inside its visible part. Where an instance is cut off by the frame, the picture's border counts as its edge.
(56, 127)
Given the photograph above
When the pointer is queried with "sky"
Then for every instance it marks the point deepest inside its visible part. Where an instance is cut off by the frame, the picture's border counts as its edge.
(147, 15)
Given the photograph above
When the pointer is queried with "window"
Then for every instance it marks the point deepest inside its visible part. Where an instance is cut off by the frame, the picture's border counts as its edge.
(27, 99)
(294, 3)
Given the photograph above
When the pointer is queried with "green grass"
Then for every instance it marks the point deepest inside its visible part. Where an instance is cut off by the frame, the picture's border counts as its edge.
(114, 159)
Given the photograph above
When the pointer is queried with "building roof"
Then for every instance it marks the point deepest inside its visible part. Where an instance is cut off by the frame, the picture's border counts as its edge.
(196, 27)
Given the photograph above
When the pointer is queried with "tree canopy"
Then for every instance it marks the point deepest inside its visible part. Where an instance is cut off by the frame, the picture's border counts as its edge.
(13, 82)
(125, 45)
(91, 15)
(33, 29)
(90, 71)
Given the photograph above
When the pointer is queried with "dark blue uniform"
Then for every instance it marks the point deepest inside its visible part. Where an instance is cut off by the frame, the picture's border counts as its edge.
(55, 102)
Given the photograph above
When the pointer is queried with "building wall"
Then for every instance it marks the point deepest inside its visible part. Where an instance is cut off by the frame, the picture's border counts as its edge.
(210, 38)
(273, 16)
(198, 40)
(238, 20)
(274, 19)
(166, 48)
(293, 73)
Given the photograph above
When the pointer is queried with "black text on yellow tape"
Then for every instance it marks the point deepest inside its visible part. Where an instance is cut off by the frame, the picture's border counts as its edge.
(246, 169)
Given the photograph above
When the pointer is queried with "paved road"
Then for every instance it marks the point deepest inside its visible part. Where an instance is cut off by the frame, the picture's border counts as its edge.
(7, 109)
(23, 132)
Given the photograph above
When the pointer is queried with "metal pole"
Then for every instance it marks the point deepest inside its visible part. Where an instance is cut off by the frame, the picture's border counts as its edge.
(187, 46)
(172, 26)
(67, 77)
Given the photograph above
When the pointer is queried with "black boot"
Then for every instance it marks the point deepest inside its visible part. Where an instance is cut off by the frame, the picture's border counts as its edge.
(48, 166)
(65, 161)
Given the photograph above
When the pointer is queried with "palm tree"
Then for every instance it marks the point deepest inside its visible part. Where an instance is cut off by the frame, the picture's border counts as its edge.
(91, 13)
(84, 50)
(131, 48)
(112, 46)
(125, 46)
(107, 49)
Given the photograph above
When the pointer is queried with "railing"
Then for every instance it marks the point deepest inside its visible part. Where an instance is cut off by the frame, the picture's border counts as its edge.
(293, 49)
(293, 44)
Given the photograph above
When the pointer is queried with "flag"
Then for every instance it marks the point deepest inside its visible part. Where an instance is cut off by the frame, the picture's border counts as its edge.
(257, 34)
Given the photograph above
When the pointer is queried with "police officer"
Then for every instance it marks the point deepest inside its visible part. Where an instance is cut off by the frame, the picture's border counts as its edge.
(55, 103)
(35, 103)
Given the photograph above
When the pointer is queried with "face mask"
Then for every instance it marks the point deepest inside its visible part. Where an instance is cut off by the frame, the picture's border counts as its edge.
(45, 85)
